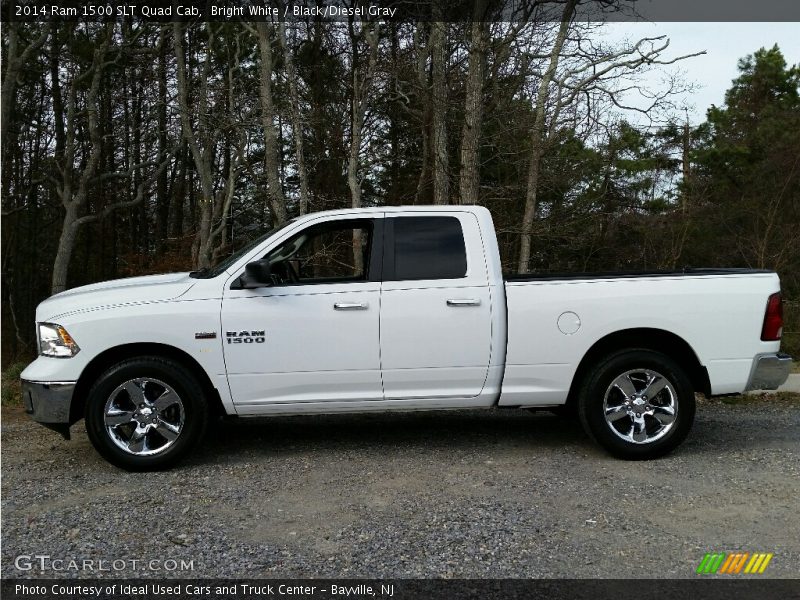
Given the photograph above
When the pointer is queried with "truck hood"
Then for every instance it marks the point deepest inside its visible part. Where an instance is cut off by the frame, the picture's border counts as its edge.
(132, 290)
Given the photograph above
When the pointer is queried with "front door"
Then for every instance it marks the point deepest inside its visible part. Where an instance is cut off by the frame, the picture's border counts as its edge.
(313, 335)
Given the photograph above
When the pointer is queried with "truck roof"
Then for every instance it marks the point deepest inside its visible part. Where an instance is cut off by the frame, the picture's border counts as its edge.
(395, 209)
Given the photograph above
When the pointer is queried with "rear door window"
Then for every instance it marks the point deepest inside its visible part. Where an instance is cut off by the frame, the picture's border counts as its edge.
(426, 248)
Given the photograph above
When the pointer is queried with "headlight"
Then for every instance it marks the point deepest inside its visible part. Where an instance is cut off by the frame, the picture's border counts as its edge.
(55, 341)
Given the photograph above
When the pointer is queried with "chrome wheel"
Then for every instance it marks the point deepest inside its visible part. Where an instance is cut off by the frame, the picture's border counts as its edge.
(144, 416)
(640, 406)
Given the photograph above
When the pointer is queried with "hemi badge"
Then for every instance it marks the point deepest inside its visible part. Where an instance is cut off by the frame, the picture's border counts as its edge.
(205, 335)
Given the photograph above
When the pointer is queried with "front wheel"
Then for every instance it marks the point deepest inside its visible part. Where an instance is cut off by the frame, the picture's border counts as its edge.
(638, 404)
(145, 413)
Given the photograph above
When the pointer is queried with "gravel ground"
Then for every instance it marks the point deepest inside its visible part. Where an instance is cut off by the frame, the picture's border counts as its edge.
(437, 494)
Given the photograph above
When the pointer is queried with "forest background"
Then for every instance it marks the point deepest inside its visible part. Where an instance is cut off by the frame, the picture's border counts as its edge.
(133, 147)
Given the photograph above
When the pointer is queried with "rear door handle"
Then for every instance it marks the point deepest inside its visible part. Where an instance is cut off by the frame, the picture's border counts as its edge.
(463, 302)
(351, 306)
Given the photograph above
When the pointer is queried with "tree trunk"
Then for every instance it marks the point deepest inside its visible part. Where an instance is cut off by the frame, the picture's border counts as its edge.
(394, 196)
(14, 64)
(469, 182)
(537, 138)
(202, 248)
(162, 198)
(66, 245)
(178, 191)
(58, 104)
(686, 143)
(277, 201)
(438, 43)
(297, 122)
(358, 107)
(423, 83)
(74, 202)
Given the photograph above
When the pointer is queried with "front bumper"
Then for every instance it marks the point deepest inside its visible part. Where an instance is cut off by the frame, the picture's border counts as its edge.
(49, 403)
(769, 372)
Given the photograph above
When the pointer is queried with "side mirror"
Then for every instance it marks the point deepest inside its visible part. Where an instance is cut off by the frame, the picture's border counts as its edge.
(257, 274)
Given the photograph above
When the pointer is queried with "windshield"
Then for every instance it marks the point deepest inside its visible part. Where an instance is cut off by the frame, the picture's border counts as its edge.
(229, 260)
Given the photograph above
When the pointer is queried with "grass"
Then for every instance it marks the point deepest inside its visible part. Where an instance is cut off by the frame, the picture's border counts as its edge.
(11, 391)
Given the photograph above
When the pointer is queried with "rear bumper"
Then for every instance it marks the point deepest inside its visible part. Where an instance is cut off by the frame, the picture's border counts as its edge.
(770, 371)
(49, 403)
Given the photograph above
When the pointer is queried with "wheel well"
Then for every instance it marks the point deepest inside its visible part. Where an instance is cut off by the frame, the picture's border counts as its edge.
(653, 339)
(112, 356)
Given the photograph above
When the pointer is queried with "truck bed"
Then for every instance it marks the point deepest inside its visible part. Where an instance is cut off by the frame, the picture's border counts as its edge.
(555, 319)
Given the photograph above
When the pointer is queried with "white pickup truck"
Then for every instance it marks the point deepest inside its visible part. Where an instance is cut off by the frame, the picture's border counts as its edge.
(396, 309)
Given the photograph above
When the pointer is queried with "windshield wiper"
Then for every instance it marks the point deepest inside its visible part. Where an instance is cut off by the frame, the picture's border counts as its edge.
(198, 274)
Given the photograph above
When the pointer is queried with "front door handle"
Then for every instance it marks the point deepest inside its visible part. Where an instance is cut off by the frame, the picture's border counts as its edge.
(463, 302)
(351, 306)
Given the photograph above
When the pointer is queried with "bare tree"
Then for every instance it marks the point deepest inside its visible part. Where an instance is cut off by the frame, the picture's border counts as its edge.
(469, 182)
(537, 134)
(17, 56)
(439, 55)
(481, 44)
(421, 53)
(296, 119)
(73, 187)
(202, 156)
(591, 73)
(361, 76)
(74, 194)
(162, 197)
(215, 202)
(277, 200)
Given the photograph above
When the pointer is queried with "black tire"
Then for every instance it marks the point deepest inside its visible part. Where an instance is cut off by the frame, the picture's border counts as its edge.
(154, 376)
(602, 391)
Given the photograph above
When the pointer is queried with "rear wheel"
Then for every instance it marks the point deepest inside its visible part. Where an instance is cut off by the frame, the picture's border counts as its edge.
(146, 413)
(638, 404)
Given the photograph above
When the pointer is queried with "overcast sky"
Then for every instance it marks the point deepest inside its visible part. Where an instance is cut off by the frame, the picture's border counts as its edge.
(725, 43)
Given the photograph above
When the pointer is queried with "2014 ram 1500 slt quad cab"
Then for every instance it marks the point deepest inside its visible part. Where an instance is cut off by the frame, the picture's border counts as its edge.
(396, 309)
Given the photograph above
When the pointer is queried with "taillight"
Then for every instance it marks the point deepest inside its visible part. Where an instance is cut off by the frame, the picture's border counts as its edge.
(773, 319)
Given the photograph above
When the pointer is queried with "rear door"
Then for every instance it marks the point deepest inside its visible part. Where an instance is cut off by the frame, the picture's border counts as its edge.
(435, 316)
